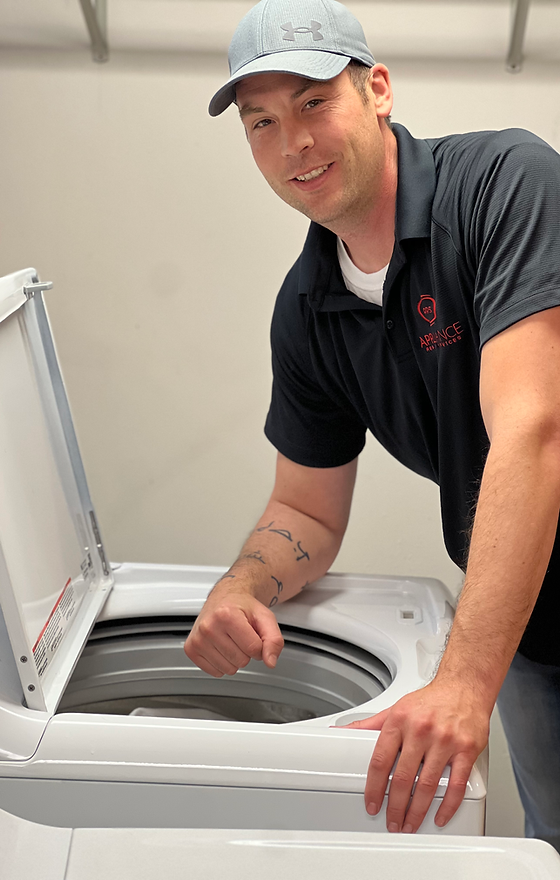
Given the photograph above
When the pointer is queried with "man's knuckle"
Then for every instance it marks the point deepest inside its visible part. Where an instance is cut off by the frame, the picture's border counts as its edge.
(423, 727)
(204, 629)
(223, 614)
(399, 715)
(378, 761)
(458, 784)
(466, 745)
(401, 778)
(427, 783)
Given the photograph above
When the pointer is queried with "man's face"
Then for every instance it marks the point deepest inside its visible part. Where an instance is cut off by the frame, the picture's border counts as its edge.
(318, 145)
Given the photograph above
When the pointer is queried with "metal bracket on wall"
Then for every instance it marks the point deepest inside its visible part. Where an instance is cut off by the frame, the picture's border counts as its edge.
(520, 11)
(95, 14)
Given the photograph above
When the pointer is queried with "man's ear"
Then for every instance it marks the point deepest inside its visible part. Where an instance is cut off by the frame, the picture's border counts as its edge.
(381, 89)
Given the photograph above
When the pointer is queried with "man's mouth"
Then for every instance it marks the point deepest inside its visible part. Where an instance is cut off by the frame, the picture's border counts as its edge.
(311, 174)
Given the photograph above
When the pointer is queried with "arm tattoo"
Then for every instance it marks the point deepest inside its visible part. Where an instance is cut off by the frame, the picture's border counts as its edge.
(288, 535)
(304, 554)
(284, 532)
(279, 587)
(256, 555)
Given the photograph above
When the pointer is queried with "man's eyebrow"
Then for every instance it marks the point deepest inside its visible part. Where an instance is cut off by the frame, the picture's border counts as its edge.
(308, 84)
(248, 109)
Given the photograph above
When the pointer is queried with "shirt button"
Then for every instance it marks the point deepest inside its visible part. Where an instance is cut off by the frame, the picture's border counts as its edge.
(390, 324)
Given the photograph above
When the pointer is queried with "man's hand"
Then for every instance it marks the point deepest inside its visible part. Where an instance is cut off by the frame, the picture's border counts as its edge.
(233, 628)
(433, 727)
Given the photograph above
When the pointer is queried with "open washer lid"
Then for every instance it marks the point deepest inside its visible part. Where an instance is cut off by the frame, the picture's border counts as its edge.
(54, 577)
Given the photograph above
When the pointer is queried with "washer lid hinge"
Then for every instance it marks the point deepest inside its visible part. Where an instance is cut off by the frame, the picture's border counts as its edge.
(37, 287)
(98, 544)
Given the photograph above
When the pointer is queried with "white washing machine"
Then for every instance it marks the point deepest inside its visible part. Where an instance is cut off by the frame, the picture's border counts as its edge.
(28, 851)
(104, 721)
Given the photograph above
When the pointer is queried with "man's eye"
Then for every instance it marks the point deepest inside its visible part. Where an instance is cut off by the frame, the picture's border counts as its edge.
(262, 123)
(314, 102)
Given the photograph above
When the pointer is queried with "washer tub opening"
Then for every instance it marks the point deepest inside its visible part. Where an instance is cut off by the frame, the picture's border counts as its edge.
(138, 666)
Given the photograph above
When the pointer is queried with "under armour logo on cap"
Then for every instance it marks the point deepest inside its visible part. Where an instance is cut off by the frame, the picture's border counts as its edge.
(291, 31)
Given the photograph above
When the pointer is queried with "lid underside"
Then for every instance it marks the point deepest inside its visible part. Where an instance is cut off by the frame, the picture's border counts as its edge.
(53, 574)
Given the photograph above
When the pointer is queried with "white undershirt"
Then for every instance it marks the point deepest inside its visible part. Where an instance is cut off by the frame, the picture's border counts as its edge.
(366, 285)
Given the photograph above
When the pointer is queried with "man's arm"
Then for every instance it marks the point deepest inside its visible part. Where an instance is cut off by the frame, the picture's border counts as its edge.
(293, 544)
(447, 722)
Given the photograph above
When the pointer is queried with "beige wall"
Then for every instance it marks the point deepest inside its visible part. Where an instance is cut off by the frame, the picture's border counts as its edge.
(166, 249)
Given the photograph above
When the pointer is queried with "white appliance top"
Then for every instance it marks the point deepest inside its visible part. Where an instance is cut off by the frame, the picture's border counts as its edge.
(28, 851)
(54, 577)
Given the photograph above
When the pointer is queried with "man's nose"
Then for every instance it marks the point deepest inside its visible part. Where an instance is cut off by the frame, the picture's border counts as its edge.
(295, 138)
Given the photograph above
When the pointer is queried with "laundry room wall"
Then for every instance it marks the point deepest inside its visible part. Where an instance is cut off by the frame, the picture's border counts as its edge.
(166, 250)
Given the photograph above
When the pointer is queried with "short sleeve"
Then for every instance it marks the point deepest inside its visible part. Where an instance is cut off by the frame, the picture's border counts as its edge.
(306, 422)
(515, 231)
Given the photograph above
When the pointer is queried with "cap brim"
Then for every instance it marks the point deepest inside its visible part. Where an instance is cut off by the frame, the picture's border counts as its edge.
(312, 64)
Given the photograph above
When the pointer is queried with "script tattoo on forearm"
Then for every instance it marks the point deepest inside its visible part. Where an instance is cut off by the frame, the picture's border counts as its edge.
(288, 536)
(256, 555)
(304, 554)
(284, 532)
(279, 587)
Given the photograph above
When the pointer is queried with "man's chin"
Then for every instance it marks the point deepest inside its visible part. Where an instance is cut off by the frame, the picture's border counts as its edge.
(324, 216)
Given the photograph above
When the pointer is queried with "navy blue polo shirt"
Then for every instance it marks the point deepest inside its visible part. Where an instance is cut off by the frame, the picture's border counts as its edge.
(477, 248)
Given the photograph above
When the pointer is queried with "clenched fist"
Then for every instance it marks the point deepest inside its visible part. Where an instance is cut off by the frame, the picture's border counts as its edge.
(233, 628)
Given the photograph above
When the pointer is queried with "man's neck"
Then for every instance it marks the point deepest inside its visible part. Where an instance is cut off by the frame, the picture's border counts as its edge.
(370, 242)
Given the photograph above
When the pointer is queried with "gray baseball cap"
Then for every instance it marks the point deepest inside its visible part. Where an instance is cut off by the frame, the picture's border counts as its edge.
(315, 39)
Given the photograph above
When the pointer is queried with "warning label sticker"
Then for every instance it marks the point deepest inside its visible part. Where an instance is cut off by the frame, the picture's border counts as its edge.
(87, 568)
(51, 635)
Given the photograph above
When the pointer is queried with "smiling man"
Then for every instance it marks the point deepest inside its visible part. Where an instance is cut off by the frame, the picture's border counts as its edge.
(425, 307)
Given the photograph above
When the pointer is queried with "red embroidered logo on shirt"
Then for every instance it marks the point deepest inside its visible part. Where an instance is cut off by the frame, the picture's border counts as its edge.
(427, 308)
(437, 338)
(441, 338)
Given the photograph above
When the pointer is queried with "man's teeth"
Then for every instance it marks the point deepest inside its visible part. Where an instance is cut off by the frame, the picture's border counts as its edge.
(315, 173)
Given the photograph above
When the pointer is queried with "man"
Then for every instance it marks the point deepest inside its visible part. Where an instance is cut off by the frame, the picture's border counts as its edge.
(425, 306)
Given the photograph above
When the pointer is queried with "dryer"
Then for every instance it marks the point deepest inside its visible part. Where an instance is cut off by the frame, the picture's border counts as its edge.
(127, 854)
(104, 721)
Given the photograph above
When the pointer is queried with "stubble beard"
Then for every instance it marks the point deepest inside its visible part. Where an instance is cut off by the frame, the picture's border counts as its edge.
(358, 195)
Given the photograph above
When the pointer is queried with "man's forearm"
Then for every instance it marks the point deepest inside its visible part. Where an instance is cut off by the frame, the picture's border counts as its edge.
(286, 551)
(512, 539)
(294, 543)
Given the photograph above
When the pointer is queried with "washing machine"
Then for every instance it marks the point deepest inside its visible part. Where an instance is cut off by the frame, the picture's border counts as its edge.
(28, 851)
(104, 721)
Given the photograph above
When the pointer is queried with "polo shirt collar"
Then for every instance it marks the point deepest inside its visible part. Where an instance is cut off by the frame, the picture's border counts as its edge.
(320, 278)
(416, 186)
